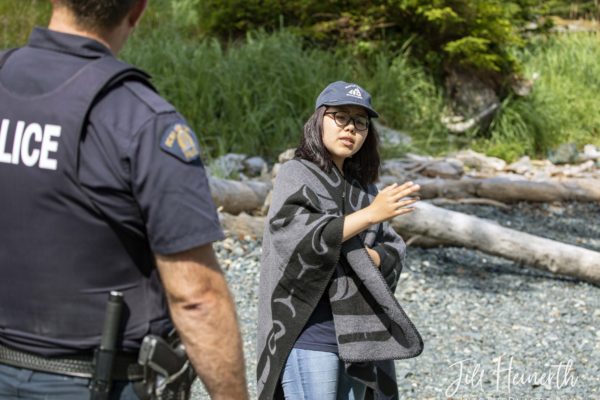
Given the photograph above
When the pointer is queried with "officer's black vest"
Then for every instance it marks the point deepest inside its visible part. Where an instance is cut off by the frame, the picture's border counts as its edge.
(59, 257)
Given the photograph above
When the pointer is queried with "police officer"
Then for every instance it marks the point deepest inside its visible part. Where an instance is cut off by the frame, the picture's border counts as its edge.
(102, 189)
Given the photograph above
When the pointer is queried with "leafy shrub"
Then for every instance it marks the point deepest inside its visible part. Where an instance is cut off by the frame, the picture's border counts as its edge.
(476, 33)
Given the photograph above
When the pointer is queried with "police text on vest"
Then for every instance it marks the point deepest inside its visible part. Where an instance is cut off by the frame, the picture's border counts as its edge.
(23, 150)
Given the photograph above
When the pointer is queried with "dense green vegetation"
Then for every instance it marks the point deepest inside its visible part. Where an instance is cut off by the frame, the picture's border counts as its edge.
(251, 92)
(589, 9)
(255, 97)
(563, 105)
(477, 33)
(17, 18)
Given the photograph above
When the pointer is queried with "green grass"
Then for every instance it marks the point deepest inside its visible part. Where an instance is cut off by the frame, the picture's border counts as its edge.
(253, 96)
(250, 98)
(564, 105)
(408, 99)
(18, 16)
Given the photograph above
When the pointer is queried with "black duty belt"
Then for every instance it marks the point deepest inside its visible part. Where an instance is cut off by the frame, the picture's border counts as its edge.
(125, 367)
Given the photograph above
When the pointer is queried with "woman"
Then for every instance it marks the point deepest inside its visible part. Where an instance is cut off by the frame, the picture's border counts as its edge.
(329, 325)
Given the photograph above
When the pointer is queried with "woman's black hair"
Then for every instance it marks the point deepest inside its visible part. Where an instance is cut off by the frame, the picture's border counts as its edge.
(362, 166)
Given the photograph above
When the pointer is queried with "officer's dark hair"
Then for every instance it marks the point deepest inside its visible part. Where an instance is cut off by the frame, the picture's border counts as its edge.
(362, 166)
(98, 14)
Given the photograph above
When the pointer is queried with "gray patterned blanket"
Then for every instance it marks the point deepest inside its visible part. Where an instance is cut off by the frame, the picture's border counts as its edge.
(302, 253)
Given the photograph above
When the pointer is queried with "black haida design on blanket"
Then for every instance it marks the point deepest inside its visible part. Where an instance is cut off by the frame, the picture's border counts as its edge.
(302, 252)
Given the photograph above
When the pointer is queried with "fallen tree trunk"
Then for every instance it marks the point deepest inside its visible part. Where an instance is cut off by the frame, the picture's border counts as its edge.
(243, 224)
(470, 200)
(248, 225)
(234, 197)
(508, 190)
(430, 225)
(425, 242)
(473, 232)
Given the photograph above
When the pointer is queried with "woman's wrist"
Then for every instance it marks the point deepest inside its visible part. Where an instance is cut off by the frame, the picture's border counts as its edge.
(357, 222)
(370, 215)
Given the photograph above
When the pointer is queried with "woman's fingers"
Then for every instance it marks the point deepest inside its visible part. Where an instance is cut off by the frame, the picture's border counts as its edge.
(406, 202)
(388, 187)
(395, 200)
(405, 210)
(405, 190)
(408, 193)
(406, 185)
(400, 196)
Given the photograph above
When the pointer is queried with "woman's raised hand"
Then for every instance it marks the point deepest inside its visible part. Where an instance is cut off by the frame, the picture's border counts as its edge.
(392, 201)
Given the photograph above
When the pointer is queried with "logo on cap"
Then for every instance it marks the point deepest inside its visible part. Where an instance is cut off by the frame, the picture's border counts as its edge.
(355, 93)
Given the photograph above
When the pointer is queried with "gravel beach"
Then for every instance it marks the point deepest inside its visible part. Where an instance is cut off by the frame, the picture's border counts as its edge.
(492, 329)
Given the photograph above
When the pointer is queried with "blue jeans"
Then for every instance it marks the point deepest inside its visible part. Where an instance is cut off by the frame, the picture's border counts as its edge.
(18, 383)
(318, 375)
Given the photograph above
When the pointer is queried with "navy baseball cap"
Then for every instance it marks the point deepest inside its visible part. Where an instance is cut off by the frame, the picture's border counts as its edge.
(342, 93)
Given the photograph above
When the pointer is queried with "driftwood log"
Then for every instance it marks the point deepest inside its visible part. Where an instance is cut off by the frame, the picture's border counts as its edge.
(432, 225)
(243, 224)
(234, 197)
(508, 190)
(468, 231)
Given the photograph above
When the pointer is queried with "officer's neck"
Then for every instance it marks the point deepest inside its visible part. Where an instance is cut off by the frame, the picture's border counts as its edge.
(63, 21)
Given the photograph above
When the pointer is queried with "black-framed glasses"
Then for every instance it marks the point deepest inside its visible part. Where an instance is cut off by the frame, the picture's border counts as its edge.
(342, 118)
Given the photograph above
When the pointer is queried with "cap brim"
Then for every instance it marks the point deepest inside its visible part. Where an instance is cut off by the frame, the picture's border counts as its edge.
(372, 113)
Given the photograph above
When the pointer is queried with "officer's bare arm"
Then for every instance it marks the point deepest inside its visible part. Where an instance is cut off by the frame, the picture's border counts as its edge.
(204, 313)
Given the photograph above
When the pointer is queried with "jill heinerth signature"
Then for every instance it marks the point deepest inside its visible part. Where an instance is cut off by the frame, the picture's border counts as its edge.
(471, 375)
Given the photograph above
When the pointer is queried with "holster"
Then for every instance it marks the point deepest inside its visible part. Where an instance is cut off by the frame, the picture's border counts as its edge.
(168, 373)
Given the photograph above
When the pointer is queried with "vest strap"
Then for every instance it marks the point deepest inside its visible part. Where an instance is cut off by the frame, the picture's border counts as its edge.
(4, 56)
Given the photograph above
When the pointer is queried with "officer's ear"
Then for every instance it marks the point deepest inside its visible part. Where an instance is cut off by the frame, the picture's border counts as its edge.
(136, 12)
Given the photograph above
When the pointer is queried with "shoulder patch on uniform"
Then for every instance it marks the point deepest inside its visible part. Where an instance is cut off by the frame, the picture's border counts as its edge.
(180, 141)
(149, 97)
